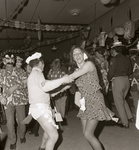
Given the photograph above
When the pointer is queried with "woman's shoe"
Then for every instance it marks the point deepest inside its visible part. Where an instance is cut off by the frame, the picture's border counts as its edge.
(13, 146)
(30, 132)
(22, 140)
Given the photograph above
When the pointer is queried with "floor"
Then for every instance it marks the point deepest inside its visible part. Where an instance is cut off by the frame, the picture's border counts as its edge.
(110, 134)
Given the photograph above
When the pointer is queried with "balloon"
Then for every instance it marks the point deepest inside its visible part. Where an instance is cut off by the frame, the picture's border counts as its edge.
(111, 34)
(105, 1)
(119, 30)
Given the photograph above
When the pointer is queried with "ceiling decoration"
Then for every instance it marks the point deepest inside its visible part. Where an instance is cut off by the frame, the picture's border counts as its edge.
(16, 11)
(49, 21)
(43, 27)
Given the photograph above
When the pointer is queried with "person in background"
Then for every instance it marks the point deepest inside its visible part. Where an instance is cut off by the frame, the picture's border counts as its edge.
(102, 69)
(19, 62)
(134, 77)
(14, 98)
(92, 106)
(57, 72)
(119, 71)
(3, 139)
(72, 90)
(3, 135)
(39, 99)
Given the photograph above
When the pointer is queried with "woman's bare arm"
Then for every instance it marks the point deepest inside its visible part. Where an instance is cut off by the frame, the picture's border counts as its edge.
(87, 67)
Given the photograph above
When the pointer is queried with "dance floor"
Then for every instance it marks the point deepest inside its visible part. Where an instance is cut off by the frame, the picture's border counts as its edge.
(111, 136)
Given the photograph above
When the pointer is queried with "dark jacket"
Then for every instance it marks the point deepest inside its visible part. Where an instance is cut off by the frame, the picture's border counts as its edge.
(119, 66)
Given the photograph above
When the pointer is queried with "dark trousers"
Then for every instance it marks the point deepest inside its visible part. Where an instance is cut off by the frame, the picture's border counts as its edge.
(120, 87)
(11, 121)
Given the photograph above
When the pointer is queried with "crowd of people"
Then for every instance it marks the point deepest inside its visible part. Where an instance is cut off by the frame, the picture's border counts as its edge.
(93, 81)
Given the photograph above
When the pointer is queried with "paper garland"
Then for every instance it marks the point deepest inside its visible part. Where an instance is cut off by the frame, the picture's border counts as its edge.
(44, 43)
(40, 27)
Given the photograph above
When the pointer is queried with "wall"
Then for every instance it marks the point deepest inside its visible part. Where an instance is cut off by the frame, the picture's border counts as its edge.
(47, 52)
(119, 15)
(62, 47)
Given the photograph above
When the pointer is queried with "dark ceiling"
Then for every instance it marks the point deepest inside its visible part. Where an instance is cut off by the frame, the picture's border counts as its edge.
(57, 12)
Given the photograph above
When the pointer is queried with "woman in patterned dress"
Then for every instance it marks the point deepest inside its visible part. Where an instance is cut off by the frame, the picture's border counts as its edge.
(94, 109)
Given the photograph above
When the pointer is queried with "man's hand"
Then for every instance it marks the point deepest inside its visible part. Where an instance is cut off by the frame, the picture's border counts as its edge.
(11, 90)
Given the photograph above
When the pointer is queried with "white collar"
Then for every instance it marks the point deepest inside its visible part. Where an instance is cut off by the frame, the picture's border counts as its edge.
(38, 69)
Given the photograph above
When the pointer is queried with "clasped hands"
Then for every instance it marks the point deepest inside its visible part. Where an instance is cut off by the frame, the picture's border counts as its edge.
(66, 80)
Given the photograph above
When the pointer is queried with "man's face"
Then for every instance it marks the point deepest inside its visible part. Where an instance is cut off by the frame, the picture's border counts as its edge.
(8, 59)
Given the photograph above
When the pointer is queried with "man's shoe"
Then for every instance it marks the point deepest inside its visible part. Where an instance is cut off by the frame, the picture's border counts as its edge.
(23, 140)
(13, 146)
(126, 126)
(131, 120)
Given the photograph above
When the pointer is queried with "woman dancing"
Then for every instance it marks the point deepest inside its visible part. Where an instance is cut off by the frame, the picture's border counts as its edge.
(92, 109)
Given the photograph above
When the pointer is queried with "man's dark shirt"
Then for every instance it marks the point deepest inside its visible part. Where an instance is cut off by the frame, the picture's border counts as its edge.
(119, 66)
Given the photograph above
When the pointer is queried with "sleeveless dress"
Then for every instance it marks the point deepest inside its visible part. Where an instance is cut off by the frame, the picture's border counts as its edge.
(88, 85)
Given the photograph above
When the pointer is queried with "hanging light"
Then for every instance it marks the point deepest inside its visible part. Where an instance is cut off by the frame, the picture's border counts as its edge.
(54, 48)
(75, 12)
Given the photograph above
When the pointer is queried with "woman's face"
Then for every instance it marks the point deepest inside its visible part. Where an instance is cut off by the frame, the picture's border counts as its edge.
(78, 55)
(28, 68)
(106, 54)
